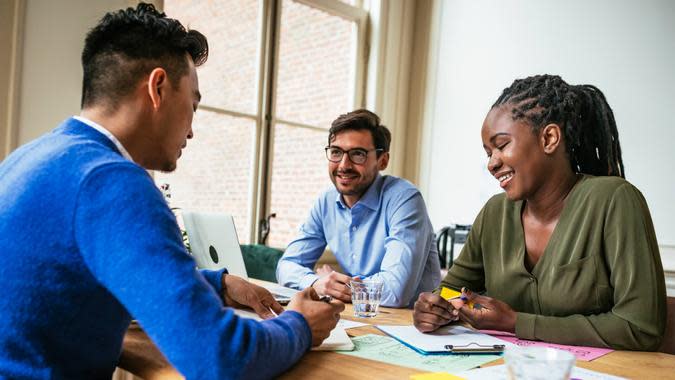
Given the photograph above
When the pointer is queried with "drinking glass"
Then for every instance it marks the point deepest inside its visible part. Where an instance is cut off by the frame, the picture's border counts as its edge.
(366, 296)
(538, 363)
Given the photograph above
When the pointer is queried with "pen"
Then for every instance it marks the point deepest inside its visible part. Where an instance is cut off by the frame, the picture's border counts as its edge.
(450, 294)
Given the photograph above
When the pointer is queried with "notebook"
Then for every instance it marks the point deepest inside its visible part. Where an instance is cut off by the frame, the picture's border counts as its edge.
(338, 340)
(215, 245)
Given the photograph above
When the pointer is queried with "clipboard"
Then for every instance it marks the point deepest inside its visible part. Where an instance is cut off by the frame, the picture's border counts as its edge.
(475, 348)
(447, 340)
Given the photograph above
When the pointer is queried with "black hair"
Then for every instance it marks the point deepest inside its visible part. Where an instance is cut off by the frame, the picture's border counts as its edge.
(129, 43)
(362, 119)
(591, 137)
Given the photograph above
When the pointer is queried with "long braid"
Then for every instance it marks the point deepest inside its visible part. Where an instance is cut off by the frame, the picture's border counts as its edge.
(591, 136)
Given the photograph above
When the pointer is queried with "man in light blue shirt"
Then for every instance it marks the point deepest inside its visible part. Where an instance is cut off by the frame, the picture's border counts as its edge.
(377, 226)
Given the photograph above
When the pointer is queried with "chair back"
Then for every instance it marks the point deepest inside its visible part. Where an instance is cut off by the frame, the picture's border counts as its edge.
(261, 261)
(668, 344)
(446, 238)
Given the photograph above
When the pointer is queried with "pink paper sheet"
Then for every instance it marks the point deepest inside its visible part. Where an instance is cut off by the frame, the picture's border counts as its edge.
(582, 353)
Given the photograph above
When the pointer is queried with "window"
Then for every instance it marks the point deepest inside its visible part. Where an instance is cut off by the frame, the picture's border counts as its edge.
(215, 172)
(278, 73)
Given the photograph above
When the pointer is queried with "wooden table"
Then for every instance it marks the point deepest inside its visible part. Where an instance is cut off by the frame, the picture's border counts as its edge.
(142, 358)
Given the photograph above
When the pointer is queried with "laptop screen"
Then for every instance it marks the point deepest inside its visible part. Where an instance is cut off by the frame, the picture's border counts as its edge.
(215, 245)
(214, 242)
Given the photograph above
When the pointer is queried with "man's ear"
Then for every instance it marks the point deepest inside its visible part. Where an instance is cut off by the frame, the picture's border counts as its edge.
(157, 82)
(551, 138)
(383, 161)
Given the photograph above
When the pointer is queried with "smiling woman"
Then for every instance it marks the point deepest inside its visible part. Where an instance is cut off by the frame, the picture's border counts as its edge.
(557, 256)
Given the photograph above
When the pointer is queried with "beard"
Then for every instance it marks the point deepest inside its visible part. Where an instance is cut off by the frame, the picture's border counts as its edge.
(167, 166)
(357, 188)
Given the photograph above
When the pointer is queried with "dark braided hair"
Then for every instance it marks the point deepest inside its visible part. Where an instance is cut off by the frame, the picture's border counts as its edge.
(587, 121)
(128, 44)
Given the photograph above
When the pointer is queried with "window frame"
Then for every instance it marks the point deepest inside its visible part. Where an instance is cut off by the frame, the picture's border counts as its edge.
(269, 16)
(261, 195)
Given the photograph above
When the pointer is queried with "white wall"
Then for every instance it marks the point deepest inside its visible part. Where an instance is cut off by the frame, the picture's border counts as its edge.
(624, 47)
(51, 78)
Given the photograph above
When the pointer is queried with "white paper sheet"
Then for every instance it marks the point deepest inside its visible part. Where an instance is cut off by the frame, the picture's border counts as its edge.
(500, 372)
(247, 314)
(337, 341)
(347, 324)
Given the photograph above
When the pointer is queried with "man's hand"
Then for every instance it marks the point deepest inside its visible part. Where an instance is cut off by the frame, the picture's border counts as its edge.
(240, 293)
(432, 311)
(321, 316)
(333, 284)
(325, 269)
(492, 315)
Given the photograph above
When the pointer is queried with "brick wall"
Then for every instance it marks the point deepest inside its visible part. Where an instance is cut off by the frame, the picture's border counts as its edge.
(214, 173)
(299, 175)
(313, 87)
(315, 64)
(228, 78)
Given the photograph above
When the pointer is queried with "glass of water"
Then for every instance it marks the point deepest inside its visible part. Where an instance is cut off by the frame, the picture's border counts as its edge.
(538, 363)
(366, 296)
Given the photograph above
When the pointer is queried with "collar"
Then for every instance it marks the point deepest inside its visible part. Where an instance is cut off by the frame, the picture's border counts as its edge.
(107, 134)
(370, 199)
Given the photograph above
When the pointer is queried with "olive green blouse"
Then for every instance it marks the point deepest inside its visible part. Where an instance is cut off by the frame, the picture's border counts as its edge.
(599, 282)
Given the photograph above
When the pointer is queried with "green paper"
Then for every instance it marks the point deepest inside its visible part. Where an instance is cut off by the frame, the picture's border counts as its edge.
(389, 350)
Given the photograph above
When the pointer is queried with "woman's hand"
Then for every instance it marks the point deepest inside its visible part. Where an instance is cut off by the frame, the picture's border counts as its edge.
(492, 315)
(432, 311)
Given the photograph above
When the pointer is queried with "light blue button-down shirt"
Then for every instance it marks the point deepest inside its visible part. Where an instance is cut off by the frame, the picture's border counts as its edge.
(386, 235)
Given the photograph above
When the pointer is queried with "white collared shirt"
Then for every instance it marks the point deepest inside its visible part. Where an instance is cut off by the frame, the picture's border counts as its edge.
(107, 133)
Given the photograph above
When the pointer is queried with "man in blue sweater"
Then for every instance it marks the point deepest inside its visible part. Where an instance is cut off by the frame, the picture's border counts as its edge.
(88, 240)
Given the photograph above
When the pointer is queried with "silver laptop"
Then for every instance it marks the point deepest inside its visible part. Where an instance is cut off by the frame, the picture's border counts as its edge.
(215, 245)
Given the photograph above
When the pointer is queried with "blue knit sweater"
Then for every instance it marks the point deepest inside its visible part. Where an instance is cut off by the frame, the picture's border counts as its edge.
(86, 240)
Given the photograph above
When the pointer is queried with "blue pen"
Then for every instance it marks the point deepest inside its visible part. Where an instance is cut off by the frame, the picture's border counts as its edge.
(471, 304)
(463, 296)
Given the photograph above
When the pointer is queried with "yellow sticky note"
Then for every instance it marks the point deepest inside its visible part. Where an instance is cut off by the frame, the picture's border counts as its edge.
(435, 376)
(449, 294)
